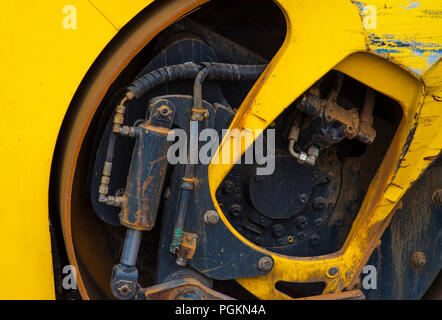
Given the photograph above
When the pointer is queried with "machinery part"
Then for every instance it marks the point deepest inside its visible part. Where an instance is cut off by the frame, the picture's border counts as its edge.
(182, 289)
(148, 168)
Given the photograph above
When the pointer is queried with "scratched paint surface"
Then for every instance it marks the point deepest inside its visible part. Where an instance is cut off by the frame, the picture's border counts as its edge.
(401, 30)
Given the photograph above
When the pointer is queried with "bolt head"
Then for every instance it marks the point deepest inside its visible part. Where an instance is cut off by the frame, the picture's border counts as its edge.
(211, 217)
(228, 187)
(301, 222)
(180, 261)
(125, 290)
(319, 204)
(265, 264)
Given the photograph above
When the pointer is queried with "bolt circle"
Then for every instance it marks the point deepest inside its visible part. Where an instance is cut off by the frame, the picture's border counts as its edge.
(265, 264)
(211, 217)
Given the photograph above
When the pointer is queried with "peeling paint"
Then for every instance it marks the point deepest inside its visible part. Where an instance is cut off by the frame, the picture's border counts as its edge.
(400, 34)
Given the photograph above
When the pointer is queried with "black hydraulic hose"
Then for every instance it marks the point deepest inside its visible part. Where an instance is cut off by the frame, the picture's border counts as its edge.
(143, 84)
(190, 70)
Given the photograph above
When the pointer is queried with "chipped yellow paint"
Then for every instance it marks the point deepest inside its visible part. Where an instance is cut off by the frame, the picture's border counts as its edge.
(402, 31)
(41, 65)
(323, 36)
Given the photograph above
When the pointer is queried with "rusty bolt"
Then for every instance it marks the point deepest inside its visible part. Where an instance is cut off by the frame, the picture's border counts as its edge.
(211, 217)
(437, 197)
(164, 111)
(265, 264)
(418, 260)
(303, 198)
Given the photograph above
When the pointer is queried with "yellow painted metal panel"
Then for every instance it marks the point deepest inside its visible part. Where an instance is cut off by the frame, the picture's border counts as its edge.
(41, 66)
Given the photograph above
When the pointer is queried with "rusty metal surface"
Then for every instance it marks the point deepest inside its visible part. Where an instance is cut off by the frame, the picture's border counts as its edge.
(183, 289)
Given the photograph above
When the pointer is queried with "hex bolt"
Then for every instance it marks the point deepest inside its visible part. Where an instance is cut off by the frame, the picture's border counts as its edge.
(235, 210)
(437, 197)
(332, 272)
(181, 261)
(318, 221)
(228, 187)
(265, 264)
(303, 198)
(319, 203)
(211, 217)
(301, 222)
(418, 260)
